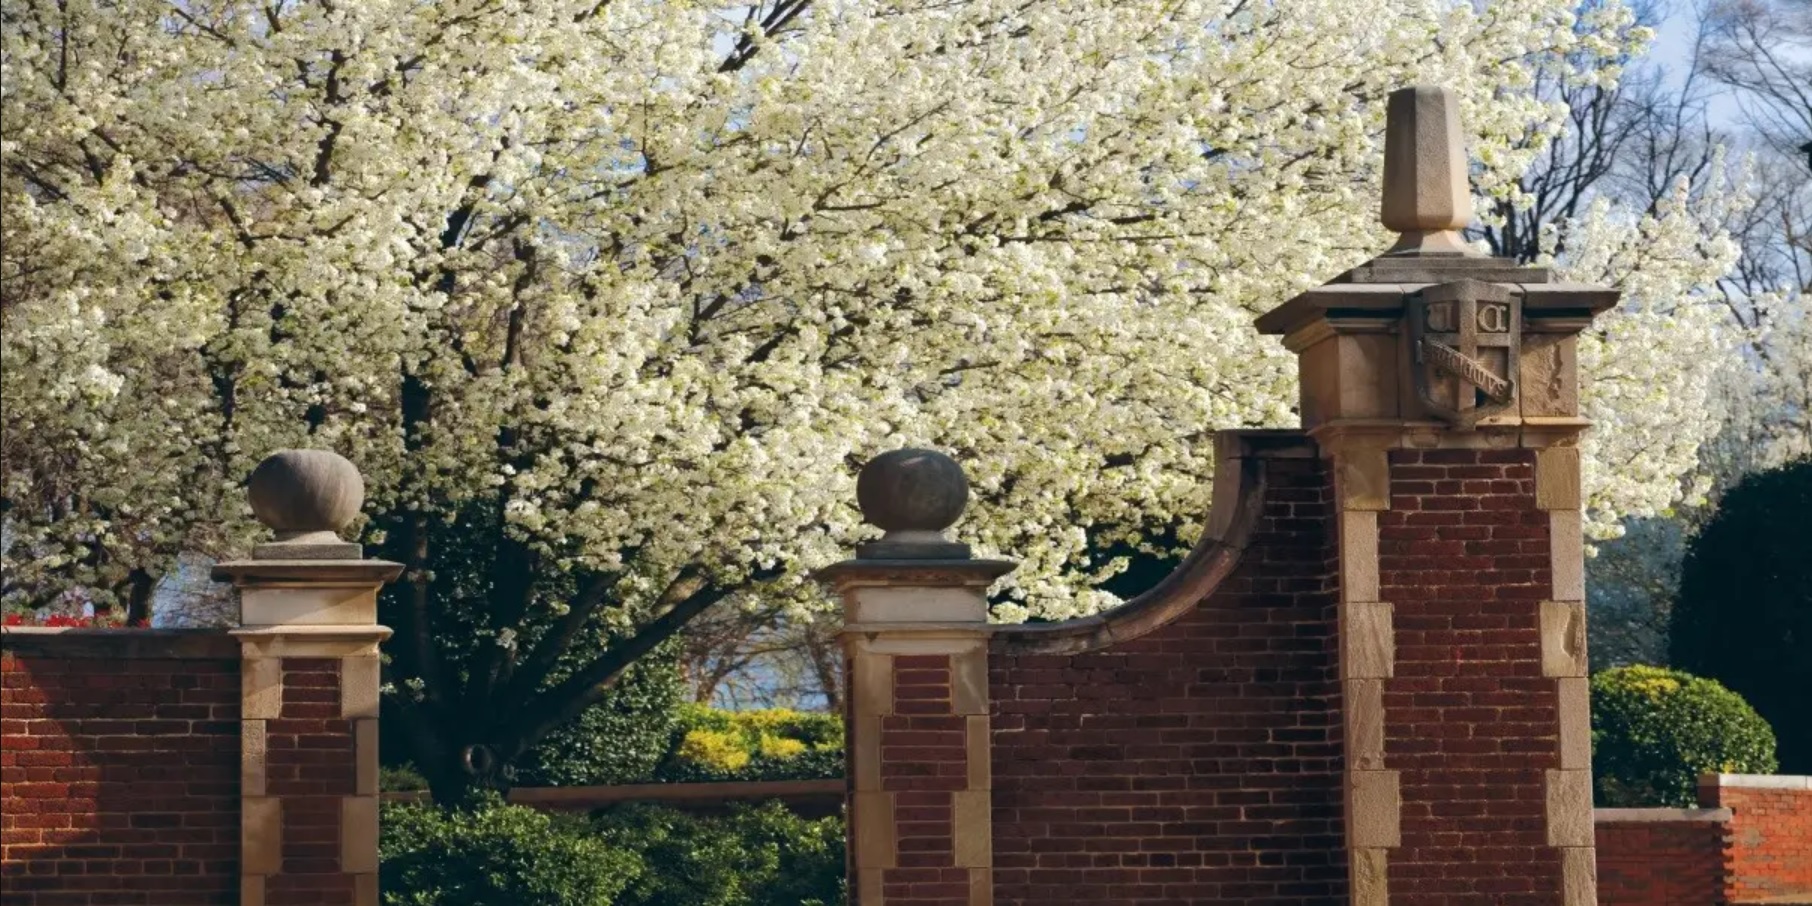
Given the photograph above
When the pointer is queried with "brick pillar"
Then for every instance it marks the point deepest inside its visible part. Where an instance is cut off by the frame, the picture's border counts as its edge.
(309, 639)
(916, 658)
(1442, 387)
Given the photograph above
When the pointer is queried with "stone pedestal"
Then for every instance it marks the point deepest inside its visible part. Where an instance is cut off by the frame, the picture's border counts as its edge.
(310, 672)
(1443, 388)
(915, 650)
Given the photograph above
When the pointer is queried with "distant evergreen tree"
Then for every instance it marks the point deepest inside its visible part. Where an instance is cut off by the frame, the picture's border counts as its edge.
(1744, 616)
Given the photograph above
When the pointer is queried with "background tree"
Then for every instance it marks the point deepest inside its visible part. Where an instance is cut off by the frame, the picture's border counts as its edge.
(1632, 582)
(1760, 51)
(619, 295)
(1745, 609)
(764, 654)
(1631, 188)
(1726, 127)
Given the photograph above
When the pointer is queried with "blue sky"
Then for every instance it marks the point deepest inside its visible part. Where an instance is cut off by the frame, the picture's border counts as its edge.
(1673, 52)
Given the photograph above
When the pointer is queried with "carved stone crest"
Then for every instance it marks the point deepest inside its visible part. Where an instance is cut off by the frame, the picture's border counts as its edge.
(1466, 337)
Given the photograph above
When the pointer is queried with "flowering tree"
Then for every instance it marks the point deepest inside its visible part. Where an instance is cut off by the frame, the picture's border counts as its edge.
(627, 290)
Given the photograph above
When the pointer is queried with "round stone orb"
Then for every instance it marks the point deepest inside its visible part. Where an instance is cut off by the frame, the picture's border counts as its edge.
(298, 492)
(912, 490)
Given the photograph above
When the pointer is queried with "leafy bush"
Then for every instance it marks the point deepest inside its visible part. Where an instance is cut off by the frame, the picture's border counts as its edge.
(621, 739)
(774, 744)
(1744, 615)
(495, 854)
(402, 778)
(759, 855)
(1654, 731)
(634, 855)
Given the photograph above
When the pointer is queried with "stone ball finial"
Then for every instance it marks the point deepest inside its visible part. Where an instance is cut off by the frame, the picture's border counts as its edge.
(913, 495)
(306, 497)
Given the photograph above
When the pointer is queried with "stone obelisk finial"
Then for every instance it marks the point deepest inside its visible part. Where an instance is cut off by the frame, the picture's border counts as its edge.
(1426, 196)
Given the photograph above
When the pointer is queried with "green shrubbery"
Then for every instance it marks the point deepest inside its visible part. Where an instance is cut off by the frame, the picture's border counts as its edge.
(760, 855)
(401, 778)
(632, 855)
(622, 739)
(641, 735)
(1655, 730)
(495, 854)
(709, 744)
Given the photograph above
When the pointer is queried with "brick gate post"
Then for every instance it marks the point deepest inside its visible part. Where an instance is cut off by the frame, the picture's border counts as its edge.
(309, 683)
(916, 663)
(1442, 386)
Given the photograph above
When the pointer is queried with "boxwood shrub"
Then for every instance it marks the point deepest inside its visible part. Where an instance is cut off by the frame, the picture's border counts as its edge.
(1654, 731)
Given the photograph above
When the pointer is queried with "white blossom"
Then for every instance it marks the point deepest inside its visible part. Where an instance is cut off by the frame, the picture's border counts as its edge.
(698, 280)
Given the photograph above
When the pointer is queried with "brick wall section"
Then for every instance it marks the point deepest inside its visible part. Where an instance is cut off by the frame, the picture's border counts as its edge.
(1470, 721)
(1656, 862)
(924, 761)
(120, 779)
(1770, 836)
(310, 766)
(1199, 764)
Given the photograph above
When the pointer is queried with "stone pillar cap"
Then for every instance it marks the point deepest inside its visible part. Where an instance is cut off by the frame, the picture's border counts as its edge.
(306, 497)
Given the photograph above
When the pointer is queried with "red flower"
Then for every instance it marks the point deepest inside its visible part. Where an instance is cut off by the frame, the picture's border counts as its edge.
(66, 621)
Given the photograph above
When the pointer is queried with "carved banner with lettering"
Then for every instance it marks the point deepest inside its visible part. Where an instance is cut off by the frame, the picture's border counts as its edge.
(1467, 336)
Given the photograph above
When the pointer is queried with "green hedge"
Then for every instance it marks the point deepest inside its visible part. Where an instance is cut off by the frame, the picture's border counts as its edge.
(634, 855)
(759, 855)
(496, 854)
(1654, 731)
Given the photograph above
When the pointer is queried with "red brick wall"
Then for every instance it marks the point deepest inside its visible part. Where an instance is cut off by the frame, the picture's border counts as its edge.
(1198, 764)
(1660, 857)
(311, 766)
(1470, 722)
(119, 771)
(1770, 835)
(924, 761)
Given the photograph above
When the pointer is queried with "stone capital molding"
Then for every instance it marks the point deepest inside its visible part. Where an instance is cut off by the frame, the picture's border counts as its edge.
(305, 573)
(311, 641)
(864, 573)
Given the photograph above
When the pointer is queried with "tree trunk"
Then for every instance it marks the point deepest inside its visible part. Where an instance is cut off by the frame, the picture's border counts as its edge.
(453, 785)
(458, 768)
(827, 665)
(459, 773)
(138, 603)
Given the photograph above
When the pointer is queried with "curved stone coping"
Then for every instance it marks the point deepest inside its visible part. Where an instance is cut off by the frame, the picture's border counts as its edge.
(1239, 500)
(118, 643)
(1659, 815)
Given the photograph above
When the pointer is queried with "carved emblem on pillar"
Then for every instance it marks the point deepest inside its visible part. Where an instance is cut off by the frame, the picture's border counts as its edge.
(1467, 336)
